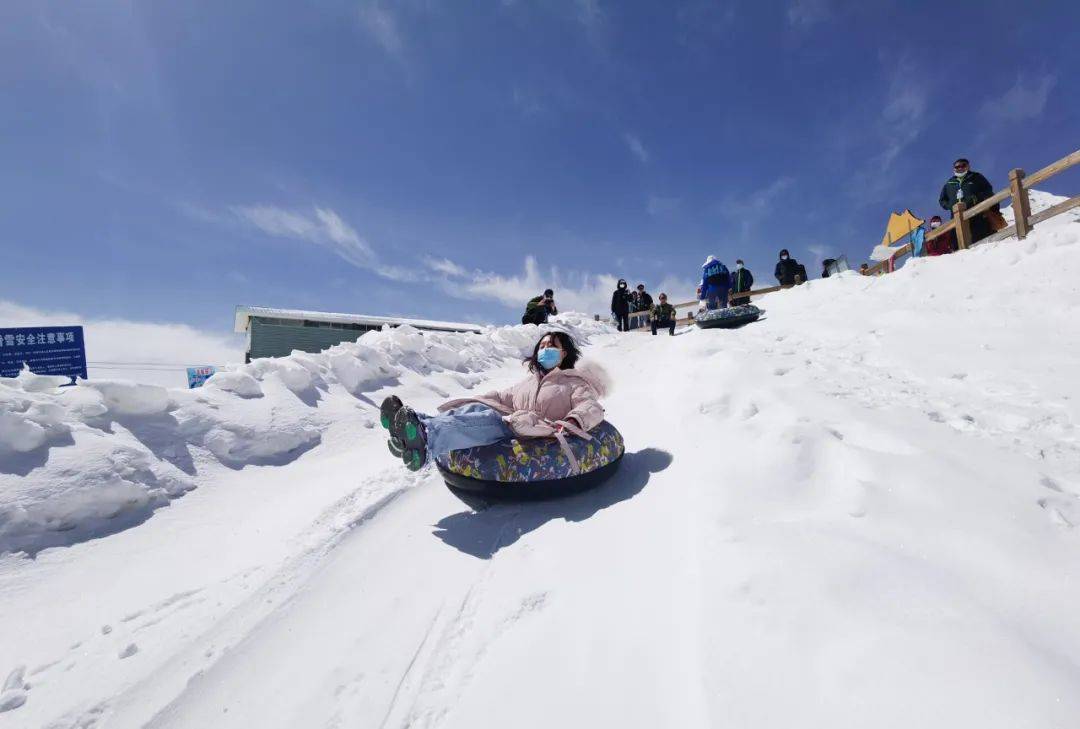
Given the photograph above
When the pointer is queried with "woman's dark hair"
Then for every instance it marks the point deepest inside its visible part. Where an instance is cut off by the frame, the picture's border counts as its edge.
(567, 345)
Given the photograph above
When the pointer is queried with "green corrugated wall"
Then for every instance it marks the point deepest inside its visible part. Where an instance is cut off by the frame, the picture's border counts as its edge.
(276, 340)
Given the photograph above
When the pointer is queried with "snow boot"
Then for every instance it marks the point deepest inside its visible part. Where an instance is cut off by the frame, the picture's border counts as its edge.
(413, 437)
(387, 416)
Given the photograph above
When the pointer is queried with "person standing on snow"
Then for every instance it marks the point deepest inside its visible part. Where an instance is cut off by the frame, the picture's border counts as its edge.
(663, 316)
(621, 301)
(787, 269)
(540, 308)
(642, 302)
(715, 283)
(741, 281)
(970, 188)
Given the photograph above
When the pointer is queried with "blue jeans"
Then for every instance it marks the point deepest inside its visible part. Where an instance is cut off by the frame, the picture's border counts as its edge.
(465, 427)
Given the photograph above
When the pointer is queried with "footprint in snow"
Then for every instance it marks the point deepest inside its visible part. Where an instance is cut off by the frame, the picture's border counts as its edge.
(1051, 484)
(781, 371)
(14, 693)
(1056, 509)
(128, 652)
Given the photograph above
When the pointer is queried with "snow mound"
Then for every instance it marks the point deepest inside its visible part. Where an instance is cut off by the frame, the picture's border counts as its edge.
(80, 462)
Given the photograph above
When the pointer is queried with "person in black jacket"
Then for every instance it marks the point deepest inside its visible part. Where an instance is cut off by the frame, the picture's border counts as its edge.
(620, 306)
(641, 302)
(971, 188)
(741, 280)
(788, 269)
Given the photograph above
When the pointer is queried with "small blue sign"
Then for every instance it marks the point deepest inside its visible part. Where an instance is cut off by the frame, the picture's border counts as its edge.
(196, 376)
(45, 350)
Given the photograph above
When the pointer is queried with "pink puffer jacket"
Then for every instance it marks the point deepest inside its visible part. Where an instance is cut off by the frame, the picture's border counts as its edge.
(533, 407)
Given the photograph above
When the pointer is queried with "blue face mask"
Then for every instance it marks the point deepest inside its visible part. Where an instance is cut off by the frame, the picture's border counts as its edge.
(548, 357)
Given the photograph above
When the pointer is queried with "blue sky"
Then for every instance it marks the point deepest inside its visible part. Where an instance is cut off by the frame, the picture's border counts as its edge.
(168, 161)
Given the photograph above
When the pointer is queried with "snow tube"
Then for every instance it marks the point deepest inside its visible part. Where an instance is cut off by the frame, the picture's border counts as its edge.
(531, 469)
(736, 316)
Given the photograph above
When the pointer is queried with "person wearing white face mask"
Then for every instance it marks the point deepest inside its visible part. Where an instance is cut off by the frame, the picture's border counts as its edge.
(789, 271)
(741, 281)
(560, 396)
(970, 188)
(942, 244)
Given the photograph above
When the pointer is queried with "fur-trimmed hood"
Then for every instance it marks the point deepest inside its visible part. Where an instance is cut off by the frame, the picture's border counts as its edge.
(594, 374)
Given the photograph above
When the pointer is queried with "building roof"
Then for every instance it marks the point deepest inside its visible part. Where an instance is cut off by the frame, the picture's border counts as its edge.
(245, 313)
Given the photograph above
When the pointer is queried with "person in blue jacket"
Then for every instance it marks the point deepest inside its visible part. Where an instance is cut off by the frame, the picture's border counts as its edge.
(715, 283)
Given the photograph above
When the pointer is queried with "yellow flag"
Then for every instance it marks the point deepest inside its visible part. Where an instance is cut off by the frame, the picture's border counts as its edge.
(900, 225)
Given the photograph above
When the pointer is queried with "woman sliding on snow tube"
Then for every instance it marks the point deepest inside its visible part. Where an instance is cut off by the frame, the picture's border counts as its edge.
(559, 400)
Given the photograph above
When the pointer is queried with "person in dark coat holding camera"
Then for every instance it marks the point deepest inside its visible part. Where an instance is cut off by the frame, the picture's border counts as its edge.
(539, 308)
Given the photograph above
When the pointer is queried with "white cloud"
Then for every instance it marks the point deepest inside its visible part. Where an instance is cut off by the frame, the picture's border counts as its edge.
(151, 352)
(903, 118)
(401, 274)
(820, 253)
(658, 205)
(637, 148)
(321, 226)
(589, 13)
(904, 114)
(1025, 99)
(750, 210)
(382, 26)
(527, 102)
(757, 203)
(582, 292)
(804, 14)
(679, 290)
(703, 22)
(445, 266)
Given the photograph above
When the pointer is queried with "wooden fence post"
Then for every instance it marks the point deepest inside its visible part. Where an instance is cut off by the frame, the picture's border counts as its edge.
(1021, 203)
(963, 227)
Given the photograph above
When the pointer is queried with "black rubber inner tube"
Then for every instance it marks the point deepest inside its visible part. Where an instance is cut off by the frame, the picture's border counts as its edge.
(729, 322)
(465, 487)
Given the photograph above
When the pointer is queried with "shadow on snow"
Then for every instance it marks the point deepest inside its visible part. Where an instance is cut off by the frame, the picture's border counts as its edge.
(483, 533)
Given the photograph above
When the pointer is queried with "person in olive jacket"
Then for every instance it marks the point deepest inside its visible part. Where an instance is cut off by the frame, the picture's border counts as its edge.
(971, 188)
(663, 316)
(741, 280)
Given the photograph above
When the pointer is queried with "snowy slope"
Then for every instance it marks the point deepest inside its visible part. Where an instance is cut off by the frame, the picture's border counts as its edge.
(860, 511)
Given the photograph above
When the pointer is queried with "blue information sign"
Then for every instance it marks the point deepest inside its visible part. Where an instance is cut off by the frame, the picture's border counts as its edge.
(45, 350)
(196, 376)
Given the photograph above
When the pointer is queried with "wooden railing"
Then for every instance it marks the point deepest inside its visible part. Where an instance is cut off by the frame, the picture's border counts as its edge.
(1019, 187)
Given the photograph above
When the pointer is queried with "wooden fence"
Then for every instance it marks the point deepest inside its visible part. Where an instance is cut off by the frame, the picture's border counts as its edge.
(1020, 185)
